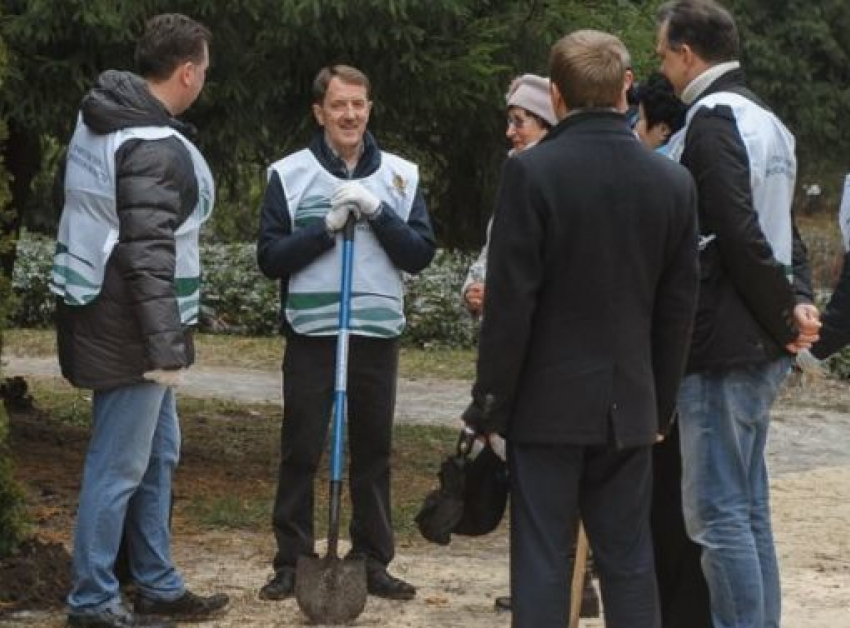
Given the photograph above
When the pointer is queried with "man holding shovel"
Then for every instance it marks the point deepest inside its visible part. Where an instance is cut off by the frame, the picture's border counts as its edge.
(308, 200)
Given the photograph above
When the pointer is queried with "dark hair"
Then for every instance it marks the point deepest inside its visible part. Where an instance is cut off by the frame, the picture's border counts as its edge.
(705, 26)
(169, 40)
(660, 103)
(345, 73)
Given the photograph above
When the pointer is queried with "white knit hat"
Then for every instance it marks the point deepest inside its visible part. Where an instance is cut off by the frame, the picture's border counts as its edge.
(531, 92)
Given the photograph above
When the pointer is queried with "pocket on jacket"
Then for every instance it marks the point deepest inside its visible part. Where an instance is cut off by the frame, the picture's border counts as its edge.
(567, 403)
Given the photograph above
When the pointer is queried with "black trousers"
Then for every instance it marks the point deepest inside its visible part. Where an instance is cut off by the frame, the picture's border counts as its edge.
(681, 585)
(308, 383)
(612, 491)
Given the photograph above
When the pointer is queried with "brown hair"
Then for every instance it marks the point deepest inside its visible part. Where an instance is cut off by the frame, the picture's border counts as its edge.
(588, 67)
(345, 73)
(169, 40)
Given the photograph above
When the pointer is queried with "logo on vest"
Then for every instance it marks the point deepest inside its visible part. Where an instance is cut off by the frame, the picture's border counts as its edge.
(400, 184)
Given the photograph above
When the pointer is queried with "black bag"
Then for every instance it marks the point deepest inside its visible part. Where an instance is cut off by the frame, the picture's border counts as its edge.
(471, 496)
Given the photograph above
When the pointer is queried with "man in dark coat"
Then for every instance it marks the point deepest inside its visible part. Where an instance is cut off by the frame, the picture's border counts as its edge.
(591, 290)
(754, 308)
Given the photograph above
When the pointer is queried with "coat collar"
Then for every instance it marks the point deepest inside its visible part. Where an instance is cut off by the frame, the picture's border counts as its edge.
(590, 120)
(729, 81)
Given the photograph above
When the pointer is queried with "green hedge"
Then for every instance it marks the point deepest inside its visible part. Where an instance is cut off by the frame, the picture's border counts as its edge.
(13, 515)
(237, 299)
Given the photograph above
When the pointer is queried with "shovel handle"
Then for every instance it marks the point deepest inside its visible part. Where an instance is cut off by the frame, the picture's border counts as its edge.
(340, 384)
(341, 372)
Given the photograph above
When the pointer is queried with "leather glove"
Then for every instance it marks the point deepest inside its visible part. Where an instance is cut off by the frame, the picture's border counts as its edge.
(478, 416)
(171, 378)
(353, 193)
(809, 364)
(335, 219)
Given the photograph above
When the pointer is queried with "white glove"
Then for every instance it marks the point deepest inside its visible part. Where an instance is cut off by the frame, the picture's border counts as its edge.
(809, 364)
(353, 193)
(499, 446)
(335, 219)
(171, 378)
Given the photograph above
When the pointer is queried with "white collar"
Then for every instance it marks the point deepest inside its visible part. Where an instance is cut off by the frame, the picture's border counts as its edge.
(697, 86)
(360, 150)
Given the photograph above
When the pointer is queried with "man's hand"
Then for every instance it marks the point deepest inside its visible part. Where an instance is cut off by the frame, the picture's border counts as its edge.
(807, 319)
(170, 378)
(473, 298)
(336, 218)
(478, 415)
(353, 193)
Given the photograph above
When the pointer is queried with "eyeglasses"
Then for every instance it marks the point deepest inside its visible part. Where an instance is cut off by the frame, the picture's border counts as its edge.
(518, 122)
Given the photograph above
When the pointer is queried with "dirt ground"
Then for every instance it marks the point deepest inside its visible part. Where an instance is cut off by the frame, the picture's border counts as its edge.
(809, 459)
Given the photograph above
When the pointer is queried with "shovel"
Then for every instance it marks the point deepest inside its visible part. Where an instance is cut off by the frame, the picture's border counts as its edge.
(331, 590)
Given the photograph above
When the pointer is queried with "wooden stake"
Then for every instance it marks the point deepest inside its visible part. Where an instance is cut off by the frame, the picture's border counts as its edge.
(578, 576)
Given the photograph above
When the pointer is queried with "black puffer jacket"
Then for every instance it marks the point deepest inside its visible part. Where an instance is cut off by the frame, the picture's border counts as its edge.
(134, 324)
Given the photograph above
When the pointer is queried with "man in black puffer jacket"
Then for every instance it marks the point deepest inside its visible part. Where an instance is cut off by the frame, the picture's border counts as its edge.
(126, 275)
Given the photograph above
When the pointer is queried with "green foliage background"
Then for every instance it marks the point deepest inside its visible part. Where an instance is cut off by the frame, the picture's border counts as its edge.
(12, 519)
(439, 70)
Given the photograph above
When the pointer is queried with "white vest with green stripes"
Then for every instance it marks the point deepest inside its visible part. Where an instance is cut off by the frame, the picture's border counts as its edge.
(88, 229)
(377, 291)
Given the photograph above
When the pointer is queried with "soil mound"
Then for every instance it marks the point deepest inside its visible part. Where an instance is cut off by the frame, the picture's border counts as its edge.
(37, 575)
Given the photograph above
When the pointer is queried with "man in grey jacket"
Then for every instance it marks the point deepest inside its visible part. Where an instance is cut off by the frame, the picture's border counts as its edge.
(126, 275)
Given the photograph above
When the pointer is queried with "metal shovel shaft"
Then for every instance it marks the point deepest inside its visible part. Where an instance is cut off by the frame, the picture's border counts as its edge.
(340, 388)
(330, 590)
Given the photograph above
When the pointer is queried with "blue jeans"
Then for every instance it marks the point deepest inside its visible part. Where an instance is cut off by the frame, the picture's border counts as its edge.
(126, 488)
(723, 423)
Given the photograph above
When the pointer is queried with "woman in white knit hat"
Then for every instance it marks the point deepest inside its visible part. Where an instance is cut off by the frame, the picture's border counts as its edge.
(530, 116)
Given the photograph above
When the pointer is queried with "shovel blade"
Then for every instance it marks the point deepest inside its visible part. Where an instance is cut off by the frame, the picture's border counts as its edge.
(330, 590)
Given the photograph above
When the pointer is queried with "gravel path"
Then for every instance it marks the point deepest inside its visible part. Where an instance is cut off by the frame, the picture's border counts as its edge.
(810, 473)
(809, 429)
(421, 401)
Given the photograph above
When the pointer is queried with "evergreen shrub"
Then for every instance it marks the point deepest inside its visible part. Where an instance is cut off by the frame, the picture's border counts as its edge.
(237, 299)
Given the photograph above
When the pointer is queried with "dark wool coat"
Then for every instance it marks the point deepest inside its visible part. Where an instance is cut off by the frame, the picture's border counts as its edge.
(591, 288)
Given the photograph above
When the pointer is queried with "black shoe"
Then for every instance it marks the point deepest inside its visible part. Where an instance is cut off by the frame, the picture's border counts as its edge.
(187, 607)
(381, 584)
(503, 604)
(110, 619)
(281, 586)
(589, 599)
